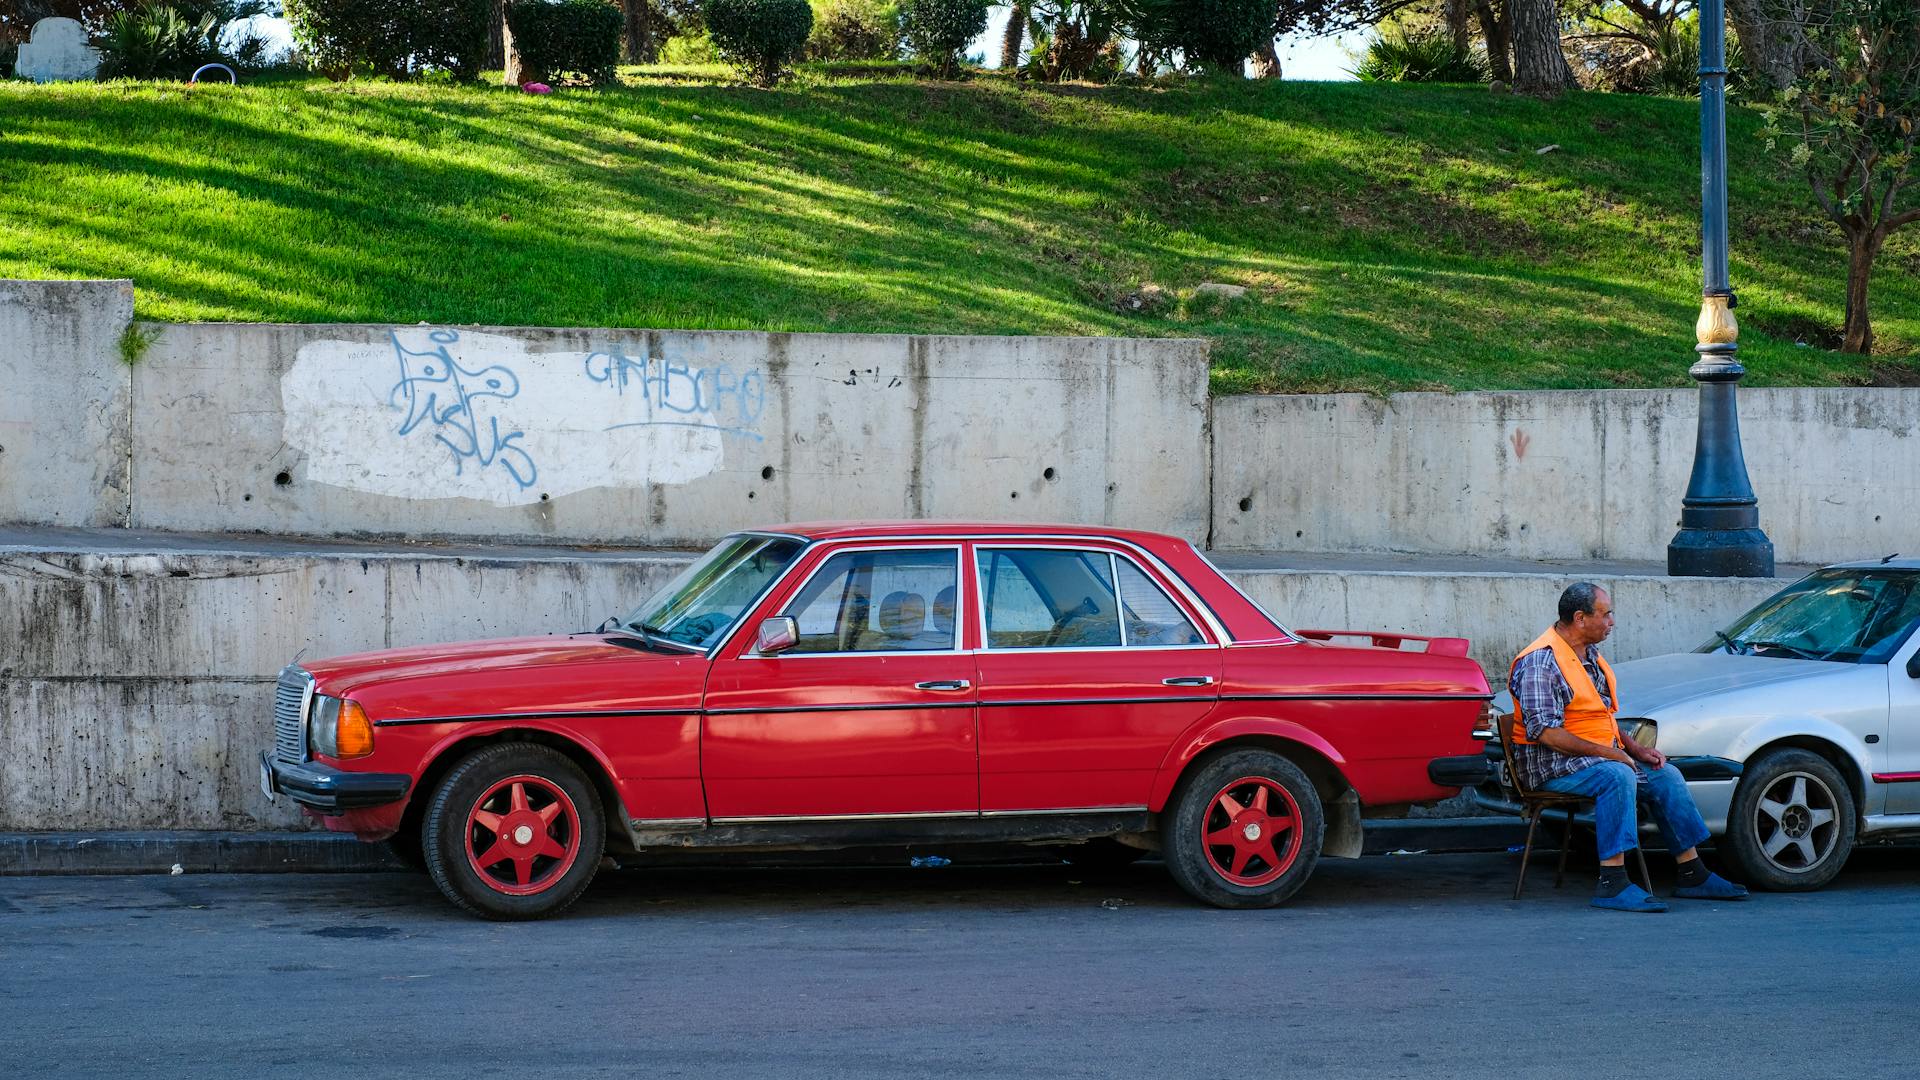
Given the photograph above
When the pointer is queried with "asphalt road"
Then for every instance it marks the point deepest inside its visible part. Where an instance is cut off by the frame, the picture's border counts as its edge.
(1386, 967)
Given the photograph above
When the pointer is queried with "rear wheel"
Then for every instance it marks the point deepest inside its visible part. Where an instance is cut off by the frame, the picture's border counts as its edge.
(1791, 826)
(514, 832)
(1245, 830)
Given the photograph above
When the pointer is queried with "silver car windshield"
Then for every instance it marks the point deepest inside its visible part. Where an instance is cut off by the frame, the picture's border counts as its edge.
(698, 606)
(1845, 615)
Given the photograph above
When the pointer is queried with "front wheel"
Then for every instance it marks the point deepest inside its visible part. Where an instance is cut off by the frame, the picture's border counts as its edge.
(1245, 830)
(1791, 825)
(514, 832)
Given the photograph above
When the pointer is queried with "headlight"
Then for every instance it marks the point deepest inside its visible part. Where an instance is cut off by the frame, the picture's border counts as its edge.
(339, 728)
(1644, 732)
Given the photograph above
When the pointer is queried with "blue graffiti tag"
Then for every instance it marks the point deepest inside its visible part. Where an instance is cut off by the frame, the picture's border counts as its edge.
(428, 376)
(681, 395)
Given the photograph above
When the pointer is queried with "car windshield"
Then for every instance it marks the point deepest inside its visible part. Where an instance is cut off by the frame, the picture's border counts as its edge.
(697, 607)
(1850, 616)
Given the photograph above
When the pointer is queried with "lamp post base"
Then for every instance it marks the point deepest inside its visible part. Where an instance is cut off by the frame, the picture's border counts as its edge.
(1720, 553)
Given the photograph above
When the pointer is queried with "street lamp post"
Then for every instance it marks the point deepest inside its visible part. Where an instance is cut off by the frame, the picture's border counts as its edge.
(1720, 532)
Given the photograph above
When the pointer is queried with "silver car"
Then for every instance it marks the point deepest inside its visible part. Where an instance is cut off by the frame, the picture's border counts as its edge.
(1798, 726)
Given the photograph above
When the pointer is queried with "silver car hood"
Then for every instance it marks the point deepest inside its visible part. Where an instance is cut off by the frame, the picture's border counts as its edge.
(1662, 682)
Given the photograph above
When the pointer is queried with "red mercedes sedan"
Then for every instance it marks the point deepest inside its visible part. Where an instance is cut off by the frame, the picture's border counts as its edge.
(895, 683)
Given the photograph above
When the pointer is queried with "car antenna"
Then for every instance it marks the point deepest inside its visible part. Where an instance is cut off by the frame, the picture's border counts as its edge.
(1889, 558)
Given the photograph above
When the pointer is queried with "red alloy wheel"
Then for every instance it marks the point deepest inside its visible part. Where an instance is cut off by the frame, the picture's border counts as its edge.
(1251, 831)
(523, 835)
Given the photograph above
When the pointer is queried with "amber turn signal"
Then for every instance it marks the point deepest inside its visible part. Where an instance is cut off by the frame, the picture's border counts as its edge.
(354, 736)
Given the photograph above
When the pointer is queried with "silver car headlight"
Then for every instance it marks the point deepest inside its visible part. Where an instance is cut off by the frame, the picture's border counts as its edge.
(1643, 731)
(338, 728)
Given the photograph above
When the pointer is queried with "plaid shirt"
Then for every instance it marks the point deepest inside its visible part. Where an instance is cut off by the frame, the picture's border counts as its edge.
(1542, 694)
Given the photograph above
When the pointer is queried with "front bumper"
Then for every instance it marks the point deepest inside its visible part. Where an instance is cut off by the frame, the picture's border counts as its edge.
(327, 789)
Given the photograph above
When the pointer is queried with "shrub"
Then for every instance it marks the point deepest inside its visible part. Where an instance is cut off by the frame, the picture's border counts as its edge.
(154, 41)
(855, 30)
(9, 51)
(938, 29)
(1219, 35)
(1214, 36)
(579, 37)
(690, 49)
(760, 37)
(1396, 56)
(397, 38)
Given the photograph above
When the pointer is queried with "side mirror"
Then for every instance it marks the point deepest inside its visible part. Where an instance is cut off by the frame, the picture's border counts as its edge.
(1913, 666)
(776, 635)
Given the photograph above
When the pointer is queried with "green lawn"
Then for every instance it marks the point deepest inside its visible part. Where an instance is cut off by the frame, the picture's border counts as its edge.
(1393, 236)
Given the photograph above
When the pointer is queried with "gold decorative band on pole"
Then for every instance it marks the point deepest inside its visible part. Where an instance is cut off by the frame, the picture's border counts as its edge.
(1716, 325)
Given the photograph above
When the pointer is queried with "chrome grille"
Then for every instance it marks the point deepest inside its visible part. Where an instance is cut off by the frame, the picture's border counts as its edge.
(290, 715)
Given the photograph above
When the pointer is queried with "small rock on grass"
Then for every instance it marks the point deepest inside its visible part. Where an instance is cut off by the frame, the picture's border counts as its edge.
(1215, 288)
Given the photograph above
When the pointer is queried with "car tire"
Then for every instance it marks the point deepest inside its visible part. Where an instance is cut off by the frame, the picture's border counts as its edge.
(514, 831)
(1244, 830)
(1797, 804)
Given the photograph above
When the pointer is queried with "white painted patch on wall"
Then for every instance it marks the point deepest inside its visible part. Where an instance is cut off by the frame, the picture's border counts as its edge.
(441, 414)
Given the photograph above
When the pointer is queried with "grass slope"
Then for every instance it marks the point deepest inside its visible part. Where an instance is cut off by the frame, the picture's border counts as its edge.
(1393, 236)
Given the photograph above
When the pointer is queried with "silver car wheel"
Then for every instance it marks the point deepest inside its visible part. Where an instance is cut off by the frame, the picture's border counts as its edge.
(1796, 822)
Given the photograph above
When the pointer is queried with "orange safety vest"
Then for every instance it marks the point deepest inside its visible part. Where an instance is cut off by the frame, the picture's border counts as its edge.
(1587, 715)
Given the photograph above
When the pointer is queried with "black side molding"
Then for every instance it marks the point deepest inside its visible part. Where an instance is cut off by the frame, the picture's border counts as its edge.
(1707, 768)
(1469, 770)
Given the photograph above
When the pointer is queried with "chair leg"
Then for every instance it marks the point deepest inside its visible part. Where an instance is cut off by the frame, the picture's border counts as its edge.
(1641, 858)
(1533, 819)
(1566, 842)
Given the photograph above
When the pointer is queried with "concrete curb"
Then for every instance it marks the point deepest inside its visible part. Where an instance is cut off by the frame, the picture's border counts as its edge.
(24, 854)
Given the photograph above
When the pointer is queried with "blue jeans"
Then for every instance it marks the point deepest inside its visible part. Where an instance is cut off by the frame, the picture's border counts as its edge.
(1617, 788)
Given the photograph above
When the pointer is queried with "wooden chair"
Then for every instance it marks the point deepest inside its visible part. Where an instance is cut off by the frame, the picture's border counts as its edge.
(1534, 803)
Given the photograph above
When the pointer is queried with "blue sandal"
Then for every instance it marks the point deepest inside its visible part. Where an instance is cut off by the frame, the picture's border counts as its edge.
(1631, 898)
(1714, 888)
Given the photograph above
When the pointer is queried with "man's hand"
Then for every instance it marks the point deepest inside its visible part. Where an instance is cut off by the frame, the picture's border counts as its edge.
(1645, 755)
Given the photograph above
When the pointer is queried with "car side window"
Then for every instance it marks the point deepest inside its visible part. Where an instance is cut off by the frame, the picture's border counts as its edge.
(1040, 598)
(1151, 616)
(879, 601)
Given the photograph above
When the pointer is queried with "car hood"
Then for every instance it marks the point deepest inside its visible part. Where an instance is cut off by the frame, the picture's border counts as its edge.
(1662, 682)
(536, 659)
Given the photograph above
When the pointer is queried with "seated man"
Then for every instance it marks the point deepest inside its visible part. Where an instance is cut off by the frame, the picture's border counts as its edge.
(1565, 739)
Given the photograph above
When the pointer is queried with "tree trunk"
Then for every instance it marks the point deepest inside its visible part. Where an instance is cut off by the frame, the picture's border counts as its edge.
(1858, 336)
(1493, 27)
(1266, 62)
(1539, 67)
(1775, 48)
(1010, 40)
(1458, 28)
(638, 40)
(497, 38)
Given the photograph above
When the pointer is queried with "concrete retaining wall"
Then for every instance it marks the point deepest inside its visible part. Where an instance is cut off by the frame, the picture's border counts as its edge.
(64, 399)
(136, 689)
(1557, 475)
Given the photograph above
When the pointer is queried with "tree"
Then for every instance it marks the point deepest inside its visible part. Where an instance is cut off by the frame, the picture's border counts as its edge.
(1775, 47)
(1498, 35)
(1539, 66)
(1849, 125)
(1012, 36)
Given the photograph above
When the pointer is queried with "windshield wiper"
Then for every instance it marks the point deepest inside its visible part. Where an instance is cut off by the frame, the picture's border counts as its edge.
(1784, 647)
(656, 636)
(1732, 645)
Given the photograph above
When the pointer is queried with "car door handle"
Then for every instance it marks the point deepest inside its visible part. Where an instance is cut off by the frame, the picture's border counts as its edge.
(944, 684)
(1188, 680)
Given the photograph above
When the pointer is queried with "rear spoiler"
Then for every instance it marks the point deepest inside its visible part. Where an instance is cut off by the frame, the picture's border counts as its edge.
(1436, 646)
